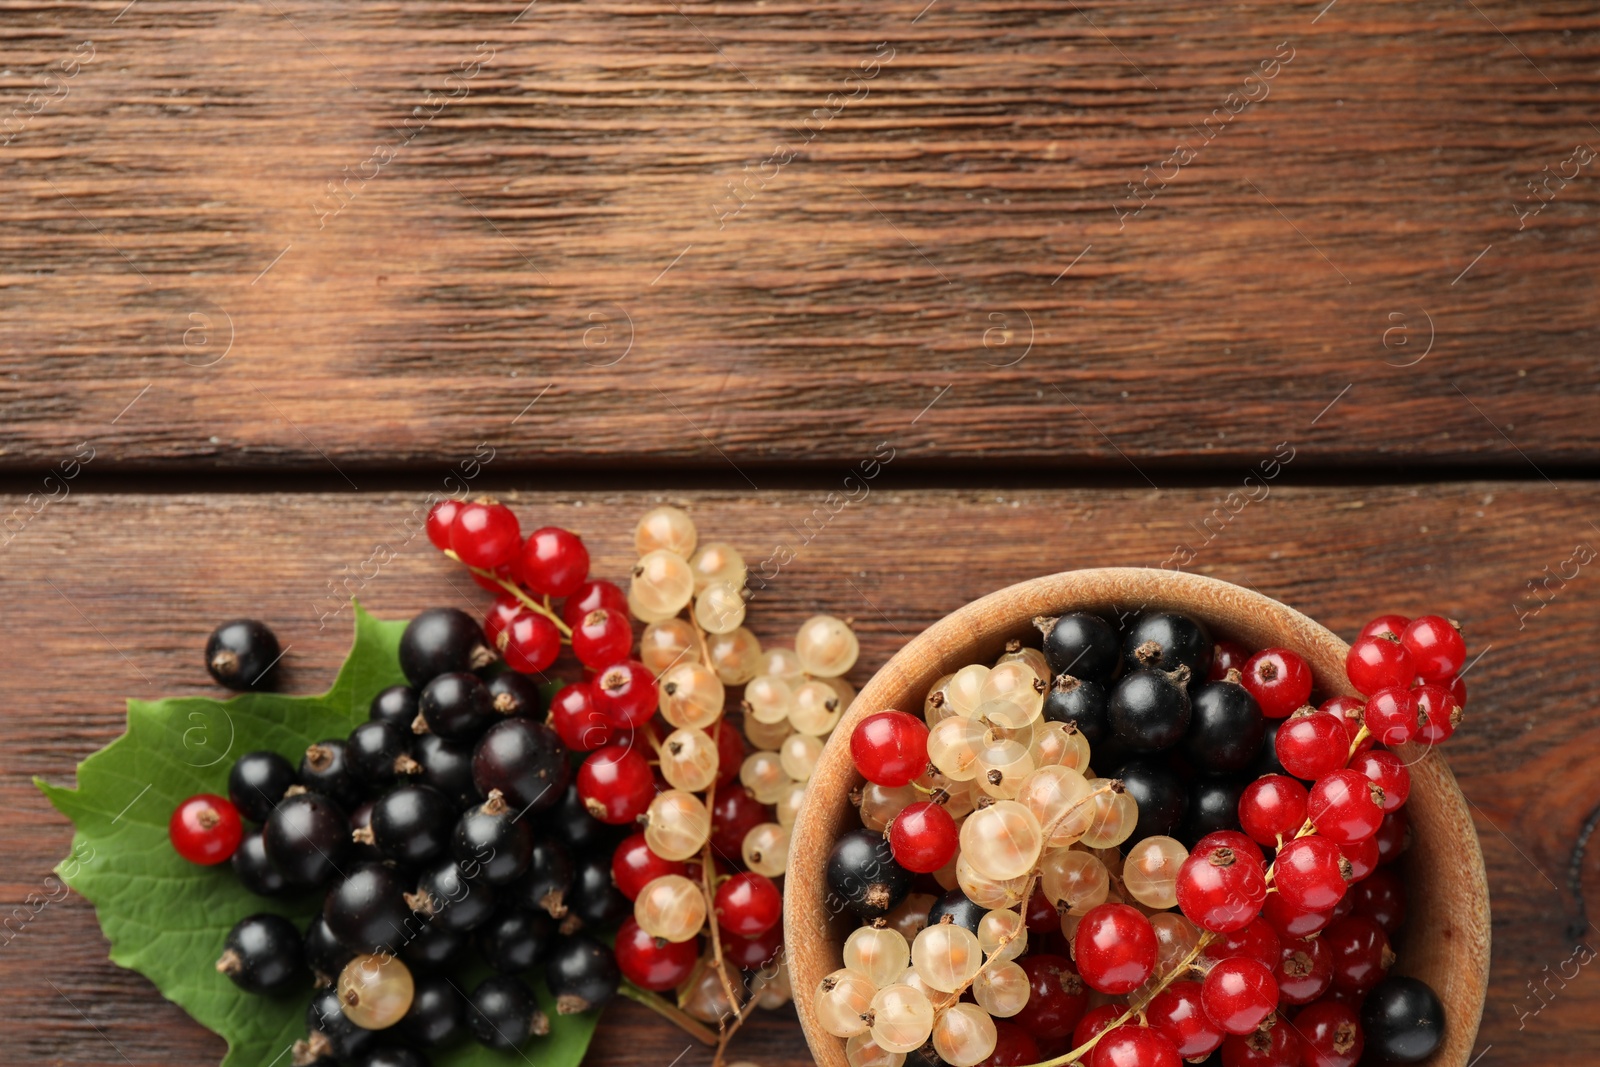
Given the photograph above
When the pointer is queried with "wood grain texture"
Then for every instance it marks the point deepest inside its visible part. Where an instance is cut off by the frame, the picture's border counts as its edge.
(556, 216)
(111, 596)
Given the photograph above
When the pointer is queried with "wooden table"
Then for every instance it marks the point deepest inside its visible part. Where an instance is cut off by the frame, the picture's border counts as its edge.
(1298, 296)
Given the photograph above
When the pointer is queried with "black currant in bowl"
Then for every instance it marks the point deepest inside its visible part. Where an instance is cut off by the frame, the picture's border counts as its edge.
(863, 874)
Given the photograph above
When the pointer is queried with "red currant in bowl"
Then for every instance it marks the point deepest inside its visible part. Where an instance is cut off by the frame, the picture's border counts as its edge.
(890, 748)
(1330, 1035)
(1309, 875)
(1391, 715)
(748, 904)
(1238, 994)
(1057, 997)
(1436, 648)
(205, 829)
(1312, 745)
(1115, 947)
(923, 837)
(1279, 679)
(1271, 807)
(1178, 1015)
(1376, 663)
(1135, 1046)
(1438, 713)
(1345, 807)
(1221, 889)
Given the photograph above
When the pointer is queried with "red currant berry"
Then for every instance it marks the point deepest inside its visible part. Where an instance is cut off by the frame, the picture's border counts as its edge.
(1227, 656)
(205, 829)
(633, 866)
(1238, 993)
(923, 837)
(1115, 948)
(500, 615)
(1304, 971)
(735, 814)
(1310, 874)
(1330, 1035)
(890, 748)
(1255, 941)
(1279, 679)
(485, 534)
(1343, 908)
(589, 596)
(1393, 836)
(554, 561)
(440, 518)
(1458, 690)
(1376, 663)
(1057, 997)
(575, 717)
(1235, 840)
(1389, 772)
(1271, 807)
(1013, 1046)
(1291, 922)
(1363, 859)
(1221, 890)
(1438, 713)
(1351, 711)
(653, 963)
(1388, 626)
(753, 953)
(1135, 1046)
(1344, 806)
(1381, 897)
(616, 785)
(603, 636)
(1436, 648)
(1041, 916)
(1360, 951)
(1272, 1046)
(626, 694)
(748, 904)
(730, 751)
(1177, 1015)
(1391, 716)
(532, 643)
(1313, 744)
(1093, 1021)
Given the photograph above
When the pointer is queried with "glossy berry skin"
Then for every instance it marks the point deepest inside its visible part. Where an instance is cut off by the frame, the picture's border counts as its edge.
(1256, 940)
(1279, 679)
(1304, 970)
(1082, 703)
(602, 637)
(243, 655)
(1402, 1020)
(396, 704)
(1082, 646)
(633, 866)
(1135, 1046)
(1363, 858)
(1436, 648)
(501, 614)
(890, 747)
(1376, 663)
(367, 911)
(1149, 711)
(1386, 770)
(434, 947)
(1226, 728)
(503, 1014)
(376, 752)
(863, 874)
(1350, 711)
(491, 842)
(1057, 997)
(1221, 889)
(1115, 948)
(547, 882)
(1226, 656)
(452, 900)
(1162, 799)
(529, 643)
(730, 751)
(323, 953)
(1271, 807)
(1390, 626)
(440, 518)
(1234, 839)
(1176, 1013)
(254, 871)
(485, 534)
(442, 641)
(1310, 746)
(1360, 953)
(582, 974)
(263, 954)
(1381, 897)
(1309, 874)
(1391, 716)
(554, 562)
(625, 693)
(526, 761)
(456, 705)
(447, 767)
(923, 837)
(1276, 1046)
(1213, 807)
(1393, 836)
(438, 1013)
(1293, 922)
(323, 770)
(306, 837)
(257, 782)
(589, 596)
(1330, 1035)
(616, 784)
(1438, 713)
(325, 1017)
(1013, 1046)
(595, 901)
(961, 910)
(652, 963)
(512, 693)
(734, 814)
(1094, 1021)
(578, 720)
(1164, 642)
(515, 940)
(1238, 993)
(1345, 807)
(748, 904)
(751, 953)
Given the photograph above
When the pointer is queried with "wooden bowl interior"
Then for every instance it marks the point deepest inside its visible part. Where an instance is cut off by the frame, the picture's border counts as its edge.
(1446, 939)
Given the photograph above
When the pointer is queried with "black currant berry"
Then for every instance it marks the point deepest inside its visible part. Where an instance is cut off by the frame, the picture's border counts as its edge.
(582, 974)
(595, 901)
(323, 769)
(525, 760)
(1163, 642)
(960, 910)
(257, 782)
(332, 1034)
(447, 767)
(1149, 710)
(1213, 806)
(516, 940)
(446, 896)
(434, 948)
(367, 910)
(548, 881)
(491, 843)
(454, 705)
(505, 1013)
(1084, 646)
(411, 824)
(443, 641)
(863, 875)
(1081, 703)
(378, 752)
(243, 654)
(392, 1056)
(1266, 761)
(1161, 797)
(362, 849)
(1225, 728)
(254, 871)
(438, 1016)
(1402, 1020)
(512, 693)
(306, 838)
(263, 954)
(581, 831)
(396, 704)
(324, 954)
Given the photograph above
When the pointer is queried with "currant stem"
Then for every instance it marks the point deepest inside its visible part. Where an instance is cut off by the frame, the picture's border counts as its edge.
(671, 1012)
(526, 600)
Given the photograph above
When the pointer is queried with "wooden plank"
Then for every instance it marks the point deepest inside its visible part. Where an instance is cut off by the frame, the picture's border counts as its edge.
(932, 202)
(111, 596)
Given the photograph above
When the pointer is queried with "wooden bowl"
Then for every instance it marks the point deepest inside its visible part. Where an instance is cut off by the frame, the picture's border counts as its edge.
(1446, 939)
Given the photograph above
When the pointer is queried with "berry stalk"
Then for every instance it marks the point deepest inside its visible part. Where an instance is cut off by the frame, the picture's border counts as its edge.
(515, 590)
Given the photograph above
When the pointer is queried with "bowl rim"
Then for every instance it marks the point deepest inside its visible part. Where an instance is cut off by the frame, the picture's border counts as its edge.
(812, 951)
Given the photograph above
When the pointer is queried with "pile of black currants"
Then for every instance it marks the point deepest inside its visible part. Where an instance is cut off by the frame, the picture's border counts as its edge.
(418, 829)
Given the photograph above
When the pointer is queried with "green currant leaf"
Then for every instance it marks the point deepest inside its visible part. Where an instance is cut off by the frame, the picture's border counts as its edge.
(165, 917)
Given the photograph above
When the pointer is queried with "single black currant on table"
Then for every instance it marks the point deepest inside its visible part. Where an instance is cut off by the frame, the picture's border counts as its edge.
(863, 874)
(367, 910)
(548, 881)
(1163, 801)
(243, 655)
(331, 1033)
(1084, 646)
(263, 954)
(1226, 728)
(447, 767)
(1164, 642)
(1402, 1020)
(323, 769)
(450, 899)
(393, 1056)
(454, 705)
(491, 842)
(257, 782)
(516, 940)
(1213, 806)
(581, 831)
(504, 1014)
(581, 973)
(1149, 710)
(325, 955)
(254, 870)
(525, 761)
(512, 693)
(443, 641)
(438, 1016)
(955, 906)
(434, 948)
(595, 901)
(411, 824)
(379, 752)
(306, 838)
(396, 704)
(1080, 702)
